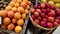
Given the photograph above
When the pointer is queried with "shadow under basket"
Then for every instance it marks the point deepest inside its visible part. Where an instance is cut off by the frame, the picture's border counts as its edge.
(38, 26)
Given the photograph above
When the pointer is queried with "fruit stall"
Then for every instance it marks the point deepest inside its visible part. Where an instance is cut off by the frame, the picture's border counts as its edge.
(29, 16)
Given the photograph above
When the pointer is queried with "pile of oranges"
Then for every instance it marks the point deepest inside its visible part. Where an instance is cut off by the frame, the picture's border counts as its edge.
(15, 14)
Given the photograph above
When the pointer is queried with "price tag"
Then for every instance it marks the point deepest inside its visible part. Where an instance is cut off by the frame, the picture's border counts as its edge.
(0, 20)
(57, 31)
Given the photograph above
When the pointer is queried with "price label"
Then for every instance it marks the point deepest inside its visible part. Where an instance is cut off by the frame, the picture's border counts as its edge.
(0, 20)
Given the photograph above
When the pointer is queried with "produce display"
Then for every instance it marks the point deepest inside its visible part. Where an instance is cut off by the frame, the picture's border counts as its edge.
(15, 14)
(52, 2)
(45, 15)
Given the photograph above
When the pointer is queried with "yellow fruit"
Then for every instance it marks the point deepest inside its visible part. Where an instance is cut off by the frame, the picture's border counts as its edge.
(20, 22)
(10, 14)
(23, 4)
(25, 0)
(8, 8)
(3, 14)
(17, 15)
(56, 1)
(19, 1)
(16, 4)
(24, 16)
(12, 3)
(18, 29)
(20, 9)
(51, 2)
(14, 9)
(14, 21)
(44, 1)
(26, 11)
(11, 27)
(6, 21)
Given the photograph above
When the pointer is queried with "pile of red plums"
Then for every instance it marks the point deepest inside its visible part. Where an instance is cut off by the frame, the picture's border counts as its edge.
(46, 15)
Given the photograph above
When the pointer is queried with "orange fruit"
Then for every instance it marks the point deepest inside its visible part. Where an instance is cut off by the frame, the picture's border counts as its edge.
(28, 7)
(16, 4)
(3, 26)
(12, 3)
(25, 0)
(8, 8)
(23, 4)
(20, 9)
(10, 14)
(24, 16)
(14, 9)
(11, 27)
(14, 21)
(26, 11)
(20, 22)
(6, 21)
(29, 3)
(3, 13)
(19, 1)
(18, 29)
(17, 15)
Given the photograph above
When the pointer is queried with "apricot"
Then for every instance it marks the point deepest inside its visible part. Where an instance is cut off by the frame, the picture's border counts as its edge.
(20, 9)
(14, 21)
(18, 29)
(8, 8)
(20, 22)
(25, 0)
(3, 26)
(23, 4)
(10, 14)
(17, 15)
(11, 27)
(6, 21)
(24, 16)
(3, 13)
(29, 3)
(28, 7)
(16, 4)
(14, 9)
(19, 1)
(26, 11)
(12, 3)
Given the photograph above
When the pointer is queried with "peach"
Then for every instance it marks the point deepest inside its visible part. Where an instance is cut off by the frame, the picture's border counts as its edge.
(16, 4)
(24, 16)
(19, 1)
(26, 11)
(20, 22)
(14, 9)
(29, 3)
(14, 21)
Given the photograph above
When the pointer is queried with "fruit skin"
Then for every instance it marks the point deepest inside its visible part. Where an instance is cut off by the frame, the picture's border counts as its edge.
(6, 21)
(3, 14)
(33, 17)
(16, 4)
(23, 16)
(45, 20)
(43, 10)
(38, 10)
(56, 1)
(57, 20)
(32, 10)
(20, 22)
(3, 26)
(44, 1)
(58, 11)
(42, 5)
(43, 24)
(35, 6)
(19, 1)
(58, 17)
(39, 18)
(14, 9)
(53, 7)
(11, 27)
(51, 2)
(26, 11)
(18, 29)
(48, 10)
(36, 14)
(14, 21)
(20, 9)
(47, 5)
(49, 25)
(43, 15)
(51, 19)
(37, 21)
(57, 5)
(10, 14)
(17, 15)
(29, 3)
(55, 24)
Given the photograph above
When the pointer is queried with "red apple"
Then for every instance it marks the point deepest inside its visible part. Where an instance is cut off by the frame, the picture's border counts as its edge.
(53, 7)
(48, 9)
(58, 17)
(47, 5)
(33, 17)
(51, 19)
(57, 20)
(37, 21)
(55, 24)
(39, 18)
(45, 19)
(43, 15)
(39, 7)
(49, 25)
(43, 10)
(32, 10)
(36, 14)
(42, 5)
(38, 10)
(35, 6)
(43, 24)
